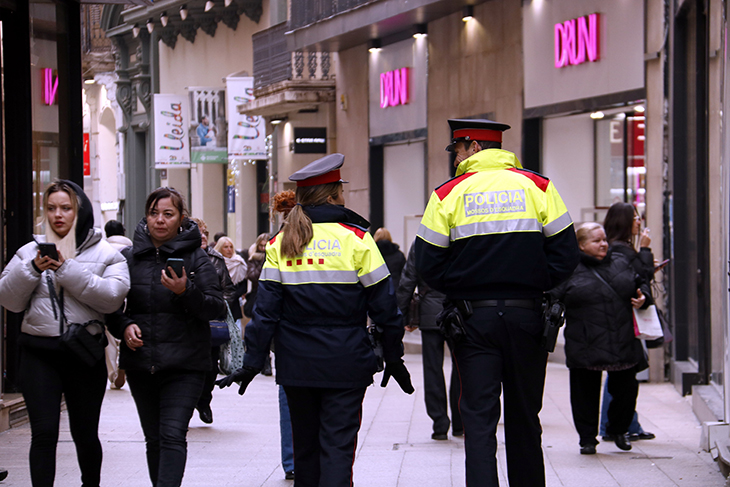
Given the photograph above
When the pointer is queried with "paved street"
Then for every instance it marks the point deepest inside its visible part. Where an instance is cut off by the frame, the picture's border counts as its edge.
(241, 447)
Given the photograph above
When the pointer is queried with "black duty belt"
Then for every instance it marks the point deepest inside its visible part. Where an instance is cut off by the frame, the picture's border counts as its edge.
(509, 303)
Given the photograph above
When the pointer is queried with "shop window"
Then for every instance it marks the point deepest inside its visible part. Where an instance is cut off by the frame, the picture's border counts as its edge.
(620, 161)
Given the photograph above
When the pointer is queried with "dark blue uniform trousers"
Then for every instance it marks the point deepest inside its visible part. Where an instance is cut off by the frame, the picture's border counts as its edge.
(324, 424)
(502, 350)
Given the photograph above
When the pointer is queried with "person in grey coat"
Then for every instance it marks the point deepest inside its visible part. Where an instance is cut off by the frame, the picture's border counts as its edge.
(88, 279)
(432, 348)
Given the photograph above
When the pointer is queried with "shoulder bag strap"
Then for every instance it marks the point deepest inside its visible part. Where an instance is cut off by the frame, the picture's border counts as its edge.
(606, 283)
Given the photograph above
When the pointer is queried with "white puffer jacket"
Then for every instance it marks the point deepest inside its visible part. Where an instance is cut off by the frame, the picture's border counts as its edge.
(95, 282)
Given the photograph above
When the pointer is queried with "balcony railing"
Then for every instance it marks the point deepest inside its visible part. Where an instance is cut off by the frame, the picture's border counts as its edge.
(305, 12)
(272, 62)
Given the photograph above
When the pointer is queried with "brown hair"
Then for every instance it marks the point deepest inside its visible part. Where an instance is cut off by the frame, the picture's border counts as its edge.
(283, 203)
(382, 234)
(164, 192)
(619, 223)
(298, 231)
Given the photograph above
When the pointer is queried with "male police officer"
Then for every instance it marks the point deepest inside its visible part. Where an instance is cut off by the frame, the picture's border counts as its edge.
(493, 239)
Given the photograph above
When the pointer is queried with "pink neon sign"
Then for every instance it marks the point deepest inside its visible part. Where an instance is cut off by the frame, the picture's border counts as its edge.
(50, 86)
(576, 41)
(394, 88)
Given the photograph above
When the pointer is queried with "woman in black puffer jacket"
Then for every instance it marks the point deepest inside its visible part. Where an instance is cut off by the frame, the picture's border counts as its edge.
(599, 335)
(165, 327)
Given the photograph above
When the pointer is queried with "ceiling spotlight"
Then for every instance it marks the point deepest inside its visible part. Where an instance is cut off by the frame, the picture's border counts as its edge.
(420, 31)
(90, 81)
(150, 25)
(164, 18)
(277, 119)
(374, 45)
(209, 5)
(184, 12)
(135, 30)
(227, 3)
(467, 13)
(597, 115)
(639, 108)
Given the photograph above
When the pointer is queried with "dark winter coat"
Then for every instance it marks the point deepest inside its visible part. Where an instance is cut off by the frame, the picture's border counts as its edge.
(175, 329)
(599, 327)
(394, 259)
(432, 301)
(229, 290)
(642, 261)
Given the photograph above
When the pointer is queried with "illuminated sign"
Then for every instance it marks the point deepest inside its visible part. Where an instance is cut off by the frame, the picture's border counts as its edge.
(87, 156)
(394, 88)
(576, 41)
(50, 86)
(310, 140)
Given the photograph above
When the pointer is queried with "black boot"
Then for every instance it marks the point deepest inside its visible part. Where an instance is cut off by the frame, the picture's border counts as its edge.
(622, 441)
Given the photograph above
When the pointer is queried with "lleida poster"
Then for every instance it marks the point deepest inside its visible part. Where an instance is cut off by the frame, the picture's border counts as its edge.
(171, 123)
(246, 133)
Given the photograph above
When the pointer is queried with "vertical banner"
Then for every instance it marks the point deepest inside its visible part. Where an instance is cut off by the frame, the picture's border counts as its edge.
(171, 121)
(87, 156)
(246, 133)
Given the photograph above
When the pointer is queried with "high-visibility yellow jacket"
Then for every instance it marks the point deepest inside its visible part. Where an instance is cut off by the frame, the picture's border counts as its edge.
(315, 306)
(495, 230)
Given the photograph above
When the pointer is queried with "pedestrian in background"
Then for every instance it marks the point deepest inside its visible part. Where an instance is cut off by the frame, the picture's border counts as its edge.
(430, 304)
(114, 231)
(85, 280)
(229, 295)
(323, 276)
(257, 258)
(394, 258)
(623, 232)
(493, 239)
(599, 335)
(166, 329)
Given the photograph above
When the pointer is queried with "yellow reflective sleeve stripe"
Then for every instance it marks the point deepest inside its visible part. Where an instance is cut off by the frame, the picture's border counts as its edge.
(435, 227)
(370, 263)
(494, 227)
(270, 272)
(558, 218)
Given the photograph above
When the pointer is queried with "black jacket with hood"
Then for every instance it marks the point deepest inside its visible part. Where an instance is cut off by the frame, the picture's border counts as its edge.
(394, 259)
(175, 329)
(599, 327)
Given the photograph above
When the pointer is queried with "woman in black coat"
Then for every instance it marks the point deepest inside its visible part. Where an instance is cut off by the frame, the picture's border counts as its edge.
(166, 329)
(394, 258)
(599, 335)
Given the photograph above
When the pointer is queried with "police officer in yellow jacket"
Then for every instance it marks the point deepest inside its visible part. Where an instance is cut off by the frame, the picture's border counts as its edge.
(323, 276)
(493, 239)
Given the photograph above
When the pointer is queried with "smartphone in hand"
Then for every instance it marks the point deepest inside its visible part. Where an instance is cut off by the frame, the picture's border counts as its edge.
(661, 265)
(48, 249)
(177, 266)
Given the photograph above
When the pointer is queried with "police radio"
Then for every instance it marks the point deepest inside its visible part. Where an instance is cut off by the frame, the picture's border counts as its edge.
(375, 334)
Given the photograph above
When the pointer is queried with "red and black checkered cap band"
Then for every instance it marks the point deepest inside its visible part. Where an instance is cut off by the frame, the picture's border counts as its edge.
(330, 177)
(478, 134)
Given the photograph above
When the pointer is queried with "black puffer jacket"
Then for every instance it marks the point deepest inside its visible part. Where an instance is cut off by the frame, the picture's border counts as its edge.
(175, 329)
(599, 327)
(642, 261)
(394, 259)
(229, 290)
(432, 301)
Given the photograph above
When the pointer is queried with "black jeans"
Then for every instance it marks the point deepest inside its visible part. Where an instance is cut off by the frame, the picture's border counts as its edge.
(434, 386)
(585, 394)
(324, 425)
(165, 402)
(501, 352)
(46, 372)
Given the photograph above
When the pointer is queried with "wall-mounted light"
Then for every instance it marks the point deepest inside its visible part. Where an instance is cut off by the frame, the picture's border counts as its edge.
(639, 108)
(277, 119)
(374, 45)
(135, 30)
(150, 25)
(420, 31)
(89, 81)
(183, 12)
(164, 18)
(597, 115)
(209, 5)
(467, 13)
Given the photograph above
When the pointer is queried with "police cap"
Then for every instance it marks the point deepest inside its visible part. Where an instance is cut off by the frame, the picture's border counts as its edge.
(322, 171)
(477, 129)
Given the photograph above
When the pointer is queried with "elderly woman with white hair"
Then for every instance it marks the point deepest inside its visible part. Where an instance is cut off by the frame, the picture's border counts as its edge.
(234, 262)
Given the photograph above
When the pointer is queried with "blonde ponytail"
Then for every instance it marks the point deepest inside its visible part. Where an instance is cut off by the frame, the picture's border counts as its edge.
(298, 232)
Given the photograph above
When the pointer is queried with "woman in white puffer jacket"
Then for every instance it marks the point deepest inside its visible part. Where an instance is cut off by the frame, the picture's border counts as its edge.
(89, 279)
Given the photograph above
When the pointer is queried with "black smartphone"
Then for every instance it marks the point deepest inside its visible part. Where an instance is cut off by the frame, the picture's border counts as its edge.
(177, 266)
(48, 249)
(661, 265)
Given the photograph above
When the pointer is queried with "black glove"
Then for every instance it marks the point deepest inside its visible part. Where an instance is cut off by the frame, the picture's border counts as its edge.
(400, 374)
(243, 375)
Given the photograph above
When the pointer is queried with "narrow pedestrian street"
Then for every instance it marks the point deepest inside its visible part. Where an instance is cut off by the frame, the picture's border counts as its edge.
(241, 447)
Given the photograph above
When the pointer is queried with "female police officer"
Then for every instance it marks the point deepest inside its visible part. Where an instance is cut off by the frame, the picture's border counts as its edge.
(323, 276)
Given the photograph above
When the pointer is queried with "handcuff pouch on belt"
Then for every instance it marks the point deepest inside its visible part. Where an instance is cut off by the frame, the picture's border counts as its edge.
(375, 334)
(553, 316)
(452, 318)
